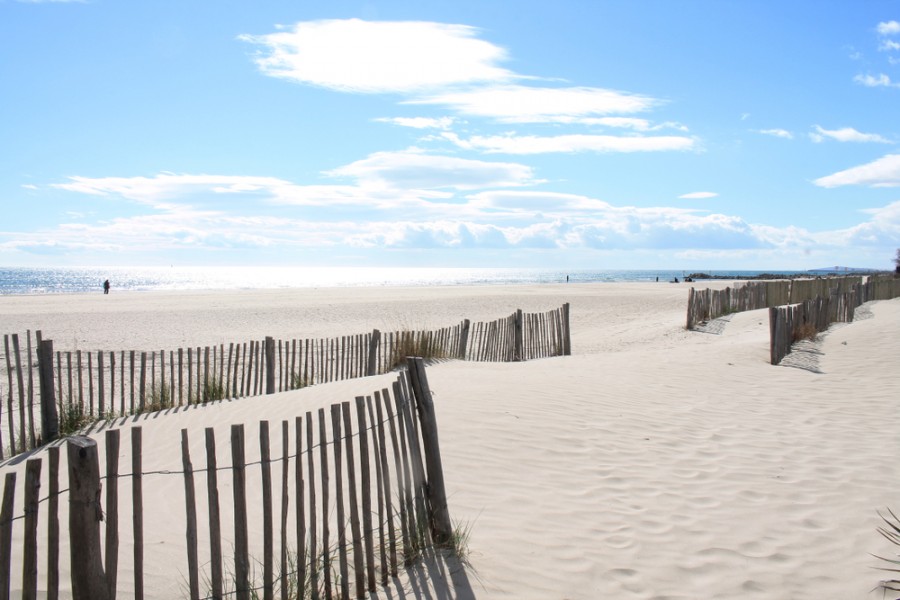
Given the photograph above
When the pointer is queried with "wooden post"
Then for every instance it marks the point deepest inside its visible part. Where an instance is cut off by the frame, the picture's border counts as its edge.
(567, 331)
(310, 463)
(323, 455)
(49, 416)
(142, 396)
(85, 514)
(339, 500)
(112, 510)
(356, 537)
(441, 527)
(190, 502)
(241, 546)
(374, 342)
(215, 530)
(268, 527)
(270, 365)
(32, 437)
(53, 526)
(301, 510)
(22, 437)
(285, 450)
(6, 523)
(137, 519)
(30, 558)
(366, 486)
(464, 339)
(773, 341)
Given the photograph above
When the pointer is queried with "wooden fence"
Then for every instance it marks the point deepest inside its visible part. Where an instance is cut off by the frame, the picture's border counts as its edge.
(361, 495)
(788, 324)
(706, 305)
(90, 385)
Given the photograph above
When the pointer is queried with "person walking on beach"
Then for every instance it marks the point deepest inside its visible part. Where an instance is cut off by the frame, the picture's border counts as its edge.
(106, 286)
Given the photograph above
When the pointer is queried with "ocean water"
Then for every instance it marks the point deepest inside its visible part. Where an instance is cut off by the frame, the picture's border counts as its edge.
(73, 280)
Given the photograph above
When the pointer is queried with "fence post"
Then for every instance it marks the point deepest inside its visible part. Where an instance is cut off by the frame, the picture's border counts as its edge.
(49, 415)
(567, 331)
(270, 365)
(441, 527)
(85, 514)
(519, 353)
(464, 339)
(374, 342)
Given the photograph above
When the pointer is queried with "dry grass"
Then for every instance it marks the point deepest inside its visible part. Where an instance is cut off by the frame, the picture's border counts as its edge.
(806, 331)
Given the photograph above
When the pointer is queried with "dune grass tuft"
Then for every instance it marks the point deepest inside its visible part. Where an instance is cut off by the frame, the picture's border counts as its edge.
(891, 531)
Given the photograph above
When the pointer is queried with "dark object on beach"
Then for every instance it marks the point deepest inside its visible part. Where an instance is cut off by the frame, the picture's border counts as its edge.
(106, 286)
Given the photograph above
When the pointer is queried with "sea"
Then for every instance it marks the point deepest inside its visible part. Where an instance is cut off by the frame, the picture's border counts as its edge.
(75, 280)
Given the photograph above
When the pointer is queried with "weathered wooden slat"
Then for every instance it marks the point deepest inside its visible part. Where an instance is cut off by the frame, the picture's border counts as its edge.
(344, 581)
(239, 489)
(112, 511)
(190, 502)
(137, 518)
(215, 524)
(268, 527)
(52, 525)
(6, 527)
(366, 490)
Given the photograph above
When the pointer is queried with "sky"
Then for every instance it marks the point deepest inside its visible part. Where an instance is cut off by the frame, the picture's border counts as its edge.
(600, 134)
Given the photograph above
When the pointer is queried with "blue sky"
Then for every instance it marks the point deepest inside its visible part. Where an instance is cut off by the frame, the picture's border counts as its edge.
(571, 134)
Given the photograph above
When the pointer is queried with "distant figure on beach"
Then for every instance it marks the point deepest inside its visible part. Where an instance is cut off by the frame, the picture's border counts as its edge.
(106, 286)
(567, 279)
(675, 280)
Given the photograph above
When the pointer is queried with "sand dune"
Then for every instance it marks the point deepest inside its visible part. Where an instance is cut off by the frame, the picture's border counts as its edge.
(653, 463)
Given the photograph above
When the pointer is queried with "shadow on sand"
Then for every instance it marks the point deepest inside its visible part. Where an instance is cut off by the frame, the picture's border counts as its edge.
(437, 576)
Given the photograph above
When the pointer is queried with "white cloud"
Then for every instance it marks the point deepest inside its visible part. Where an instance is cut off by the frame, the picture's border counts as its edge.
(497, 219)
(781, 133)
(419, 122)
(846, 134)
(884, 172)
(881, 80)
(530, 144)
(379, 56)
(523, 104)
(698, 195)
(413, 169)
(888, 28)
(168, 186)
(889, 46)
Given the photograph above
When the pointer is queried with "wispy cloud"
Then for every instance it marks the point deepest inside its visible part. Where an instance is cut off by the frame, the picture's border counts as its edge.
(698, 195)
(531, 144)
(880, 80)
(413, 169)
(419, 122)
(845, 134)
(884, 172)
(780, 133)
(524, 104)
(379, 56)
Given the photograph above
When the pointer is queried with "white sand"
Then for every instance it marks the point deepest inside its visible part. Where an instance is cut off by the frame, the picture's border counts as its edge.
(653, 463)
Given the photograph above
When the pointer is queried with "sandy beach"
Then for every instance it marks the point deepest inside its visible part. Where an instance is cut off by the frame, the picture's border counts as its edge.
(653, 463)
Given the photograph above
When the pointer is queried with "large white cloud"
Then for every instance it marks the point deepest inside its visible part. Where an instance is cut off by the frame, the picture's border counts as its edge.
(884, 172)
(379, 56)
